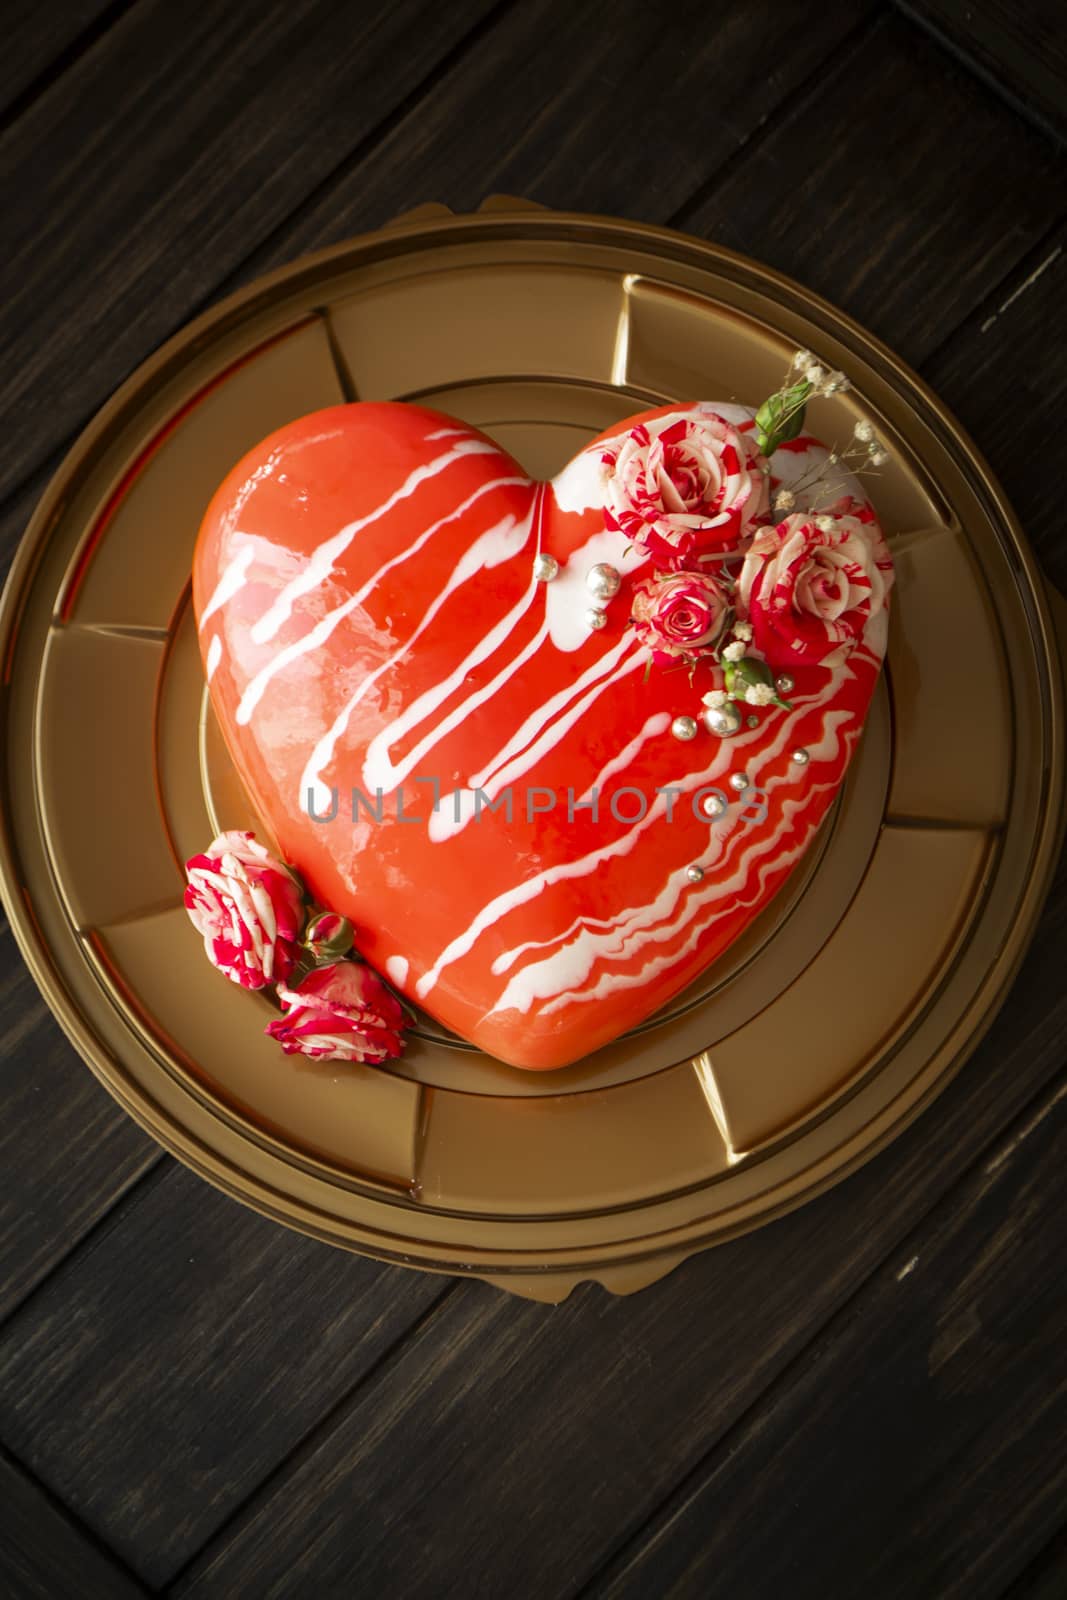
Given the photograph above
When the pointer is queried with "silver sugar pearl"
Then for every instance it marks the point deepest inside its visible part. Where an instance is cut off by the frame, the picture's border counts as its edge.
(594, 618)
(545, 568)
(603, 581)
(723, 720)
(694, 873)
(800, 757)
(739, 781)
(713, 806)
(684, 728)
(784, 683)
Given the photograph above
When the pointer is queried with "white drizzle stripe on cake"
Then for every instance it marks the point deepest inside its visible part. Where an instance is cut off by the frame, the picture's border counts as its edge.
(536, 721)
(610, 982)
(459, 807)
(726, 756)
(214, 656)
(495, 545)
(379, 770)
(561, 974)
(321, 563)
(567, 600)
(656, 725)
(562, 725)
(714, 888)
(232, 579)
(326, 625)
(396, 967)
(445, 821)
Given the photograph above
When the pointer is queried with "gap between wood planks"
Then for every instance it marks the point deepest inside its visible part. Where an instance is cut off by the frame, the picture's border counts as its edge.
(980, 1174)
(129, 1581)
(320, 1430)
(39, 475)
(850, 45)
(60, 64)
(1023, 276)
(982, 1171)
(973, 62)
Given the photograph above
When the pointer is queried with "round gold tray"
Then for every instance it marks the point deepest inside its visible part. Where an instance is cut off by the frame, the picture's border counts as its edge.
(837, 1017)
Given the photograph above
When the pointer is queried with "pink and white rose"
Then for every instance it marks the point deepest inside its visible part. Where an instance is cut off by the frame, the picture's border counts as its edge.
(341, 1012)
(248, 907)
(693, 490)
(679, 613)
(806, 590)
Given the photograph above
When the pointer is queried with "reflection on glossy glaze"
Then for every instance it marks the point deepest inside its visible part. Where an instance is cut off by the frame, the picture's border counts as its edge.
(378, 627)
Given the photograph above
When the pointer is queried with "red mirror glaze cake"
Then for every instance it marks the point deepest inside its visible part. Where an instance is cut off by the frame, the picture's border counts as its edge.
(547, 747)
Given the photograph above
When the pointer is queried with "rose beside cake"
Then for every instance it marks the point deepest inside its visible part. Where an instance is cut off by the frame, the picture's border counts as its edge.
(542, 750)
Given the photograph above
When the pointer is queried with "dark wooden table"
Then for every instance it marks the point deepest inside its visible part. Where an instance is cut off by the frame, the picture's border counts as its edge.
(867, 1398)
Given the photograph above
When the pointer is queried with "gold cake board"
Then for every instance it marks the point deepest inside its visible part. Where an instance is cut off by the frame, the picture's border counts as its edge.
(844, 1009)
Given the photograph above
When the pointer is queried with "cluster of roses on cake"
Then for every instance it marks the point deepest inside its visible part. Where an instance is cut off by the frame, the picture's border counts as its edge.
(260, 931)
(696, 497)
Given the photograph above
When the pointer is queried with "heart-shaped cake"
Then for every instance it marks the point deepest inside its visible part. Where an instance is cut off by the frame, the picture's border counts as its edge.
(549, 746)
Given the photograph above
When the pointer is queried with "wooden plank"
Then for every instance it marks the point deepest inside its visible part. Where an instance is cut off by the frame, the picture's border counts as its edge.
(586, 1416)
(605, 135)
(66, 1149)
(174, 147)
(156, 1379)
(942, 1387)
(1006, 379)
(44, 1554)
(1046, 1576)
(41, 41)
(1020, 50)
(867, 192)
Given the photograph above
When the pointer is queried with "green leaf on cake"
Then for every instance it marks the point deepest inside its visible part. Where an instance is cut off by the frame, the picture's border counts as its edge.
(781, 416)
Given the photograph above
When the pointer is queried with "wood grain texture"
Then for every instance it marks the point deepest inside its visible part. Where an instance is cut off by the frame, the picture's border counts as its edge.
(44, 1555)
(154, 1382)
(1046, 1576)
(598, 136)
(40, 41)
(958, 1342)
(868, 194)
(164, 161)
(66, 1149)
(585, 1416)
(1019, 49)
(1003, 375)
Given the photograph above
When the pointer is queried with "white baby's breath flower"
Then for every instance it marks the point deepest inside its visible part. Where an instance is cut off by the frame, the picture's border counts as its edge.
(802, 360)
(759, 694)
(734, 652)
(742, 630)
(784, 500)
(815, 375)
(864, 431)
(824, 524)
(715, 698)
(879, 457)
